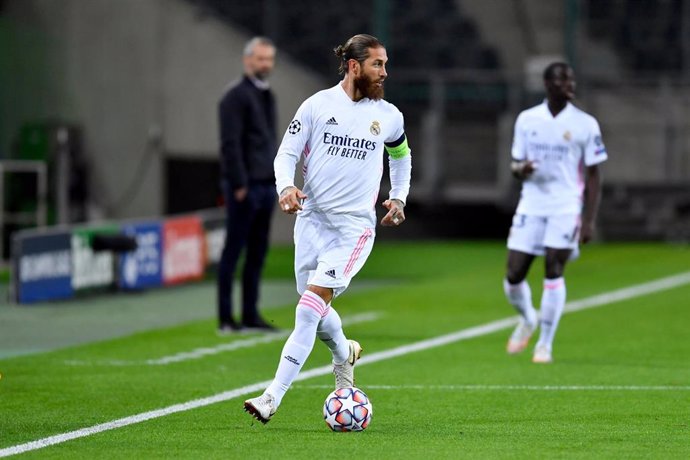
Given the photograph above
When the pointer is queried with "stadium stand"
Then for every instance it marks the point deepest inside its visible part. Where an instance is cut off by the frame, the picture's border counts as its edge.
(644, 117)
(646, 33)
(457, 72)
(424, 40)
(448, 80)
(429, 33)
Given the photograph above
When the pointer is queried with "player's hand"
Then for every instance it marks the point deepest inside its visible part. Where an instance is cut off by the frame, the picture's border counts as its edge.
(395, 215)
(586, 233)
(523, 169)
(529, 168)
(290, 200)
(240, 194)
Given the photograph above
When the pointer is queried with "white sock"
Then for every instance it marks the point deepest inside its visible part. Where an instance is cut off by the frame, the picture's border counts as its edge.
(520, 297)
(299, 345)
(331, 333)
(552, 303)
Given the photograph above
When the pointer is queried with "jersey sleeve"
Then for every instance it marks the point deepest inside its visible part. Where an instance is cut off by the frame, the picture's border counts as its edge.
(399, 162)
(399, 128)
(295, 141)
(396, 144)
(595, 150)
(519, 148)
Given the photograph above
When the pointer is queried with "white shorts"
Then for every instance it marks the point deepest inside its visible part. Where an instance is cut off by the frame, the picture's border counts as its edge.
(531, 234)
(330, 255)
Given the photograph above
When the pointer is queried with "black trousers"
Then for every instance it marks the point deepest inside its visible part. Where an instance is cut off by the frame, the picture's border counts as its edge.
(247, 226)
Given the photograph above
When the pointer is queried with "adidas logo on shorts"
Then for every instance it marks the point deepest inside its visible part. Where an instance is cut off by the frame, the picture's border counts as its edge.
(332, 121)
(331, 273)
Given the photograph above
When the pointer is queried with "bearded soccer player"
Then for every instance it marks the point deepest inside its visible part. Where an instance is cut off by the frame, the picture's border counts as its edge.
(342, 132)
(556, 152)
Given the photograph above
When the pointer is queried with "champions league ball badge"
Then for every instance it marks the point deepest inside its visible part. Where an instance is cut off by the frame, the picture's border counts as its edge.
(295, 127)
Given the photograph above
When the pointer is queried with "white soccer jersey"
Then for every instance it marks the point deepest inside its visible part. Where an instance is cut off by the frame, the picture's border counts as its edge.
(343, 142)
(561, 146)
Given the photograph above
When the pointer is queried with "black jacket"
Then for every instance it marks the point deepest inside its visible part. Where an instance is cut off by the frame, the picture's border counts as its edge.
(247, 134)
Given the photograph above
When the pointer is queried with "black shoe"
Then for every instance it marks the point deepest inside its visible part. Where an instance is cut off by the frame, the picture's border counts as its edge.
(259, 324)
(227, 328)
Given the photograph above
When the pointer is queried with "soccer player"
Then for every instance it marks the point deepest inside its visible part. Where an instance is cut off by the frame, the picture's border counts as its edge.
(342, 133)
(556, 152)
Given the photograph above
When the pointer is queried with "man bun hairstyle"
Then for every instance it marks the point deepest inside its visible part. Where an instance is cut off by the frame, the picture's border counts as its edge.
(357, 48)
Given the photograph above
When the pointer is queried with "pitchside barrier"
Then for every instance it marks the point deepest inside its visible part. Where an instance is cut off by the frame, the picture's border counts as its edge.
(66, 261)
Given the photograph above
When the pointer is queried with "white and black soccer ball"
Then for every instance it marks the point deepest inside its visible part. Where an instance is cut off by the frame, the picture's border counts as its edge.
(347, 409)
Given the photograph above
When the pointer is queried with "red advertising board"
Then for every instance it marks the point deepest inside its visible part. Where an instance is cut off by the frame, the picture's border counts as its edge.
(183, 250)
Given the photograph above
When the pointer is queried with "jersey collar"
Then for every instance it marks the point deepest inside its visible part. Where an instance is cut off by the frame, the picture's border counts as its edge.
(345, 96)
(263, 85)
(547, 113)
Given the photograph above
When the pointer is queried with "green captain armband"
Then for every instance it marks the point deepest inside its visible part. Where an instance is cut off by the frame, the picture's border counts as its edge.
(398, 149)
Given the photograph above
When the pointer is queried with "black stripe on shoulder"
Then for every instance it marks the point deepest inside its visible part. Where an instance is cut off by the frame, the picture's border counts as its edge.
(396, 143)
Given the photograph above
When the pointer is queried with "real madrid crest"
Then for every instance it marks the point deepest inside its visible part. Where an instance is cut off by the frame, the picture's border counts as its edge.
(375, 128)
(567, 136)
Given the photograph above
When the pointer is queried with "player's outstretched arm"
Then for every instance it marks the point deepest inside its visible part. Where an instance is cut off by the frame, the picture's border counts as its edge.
(395, 215)
(290, 200)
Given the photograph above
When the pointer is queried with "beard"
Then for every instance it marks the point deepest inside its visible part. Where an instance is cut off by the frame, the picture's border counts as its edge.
(262, 74)
(369, 88)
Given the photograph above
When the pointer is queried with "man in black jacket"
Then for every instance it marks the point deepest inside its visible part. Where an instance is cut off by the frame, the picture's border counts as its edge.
(248, 147)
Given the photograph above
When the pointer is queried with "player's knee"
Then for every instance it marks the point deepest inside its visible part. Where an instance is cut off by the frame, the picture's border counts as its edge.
(553, 269)
(554, 273)
(515, 275)
(514, 278)
(326, 294)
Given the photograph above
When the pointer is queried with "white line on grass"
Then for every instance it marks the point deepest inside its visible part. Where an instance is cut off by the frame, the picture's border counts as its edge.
(201, 352)
(207, 351)
(636, 290)
(515, 387)
(488, 328)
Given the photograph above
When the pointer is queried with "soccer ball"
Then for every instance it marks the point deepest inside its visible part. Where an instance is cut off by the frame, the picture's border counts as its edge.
(347, 409)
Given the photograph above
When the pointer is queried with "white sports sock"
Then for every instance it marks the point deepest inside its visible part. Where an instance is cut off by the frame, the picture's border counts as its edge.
(552, 303)
(331, 333)
(299, 345)
(520, 297)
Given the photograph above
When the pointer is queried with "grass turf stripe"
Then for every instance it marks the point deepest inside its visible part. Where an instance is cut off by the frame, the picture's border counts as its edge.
(516, 387)
(488, 328)
(201, 352)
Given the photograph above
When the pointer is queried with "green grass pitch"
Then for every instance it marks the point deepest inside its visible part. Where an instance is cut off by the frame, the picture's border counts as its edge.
(619, 386)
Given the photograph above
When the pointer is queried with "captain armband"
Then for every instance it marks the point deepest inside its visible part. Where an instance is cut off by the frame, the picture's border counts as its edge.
(398, 149)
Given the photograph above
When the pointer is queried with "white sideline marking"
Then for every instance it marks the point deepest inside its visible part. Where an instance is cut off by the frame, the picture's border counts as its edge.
(201, 352)
(515, 387)
(636, 290)
(206, 351)
(589, 302)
